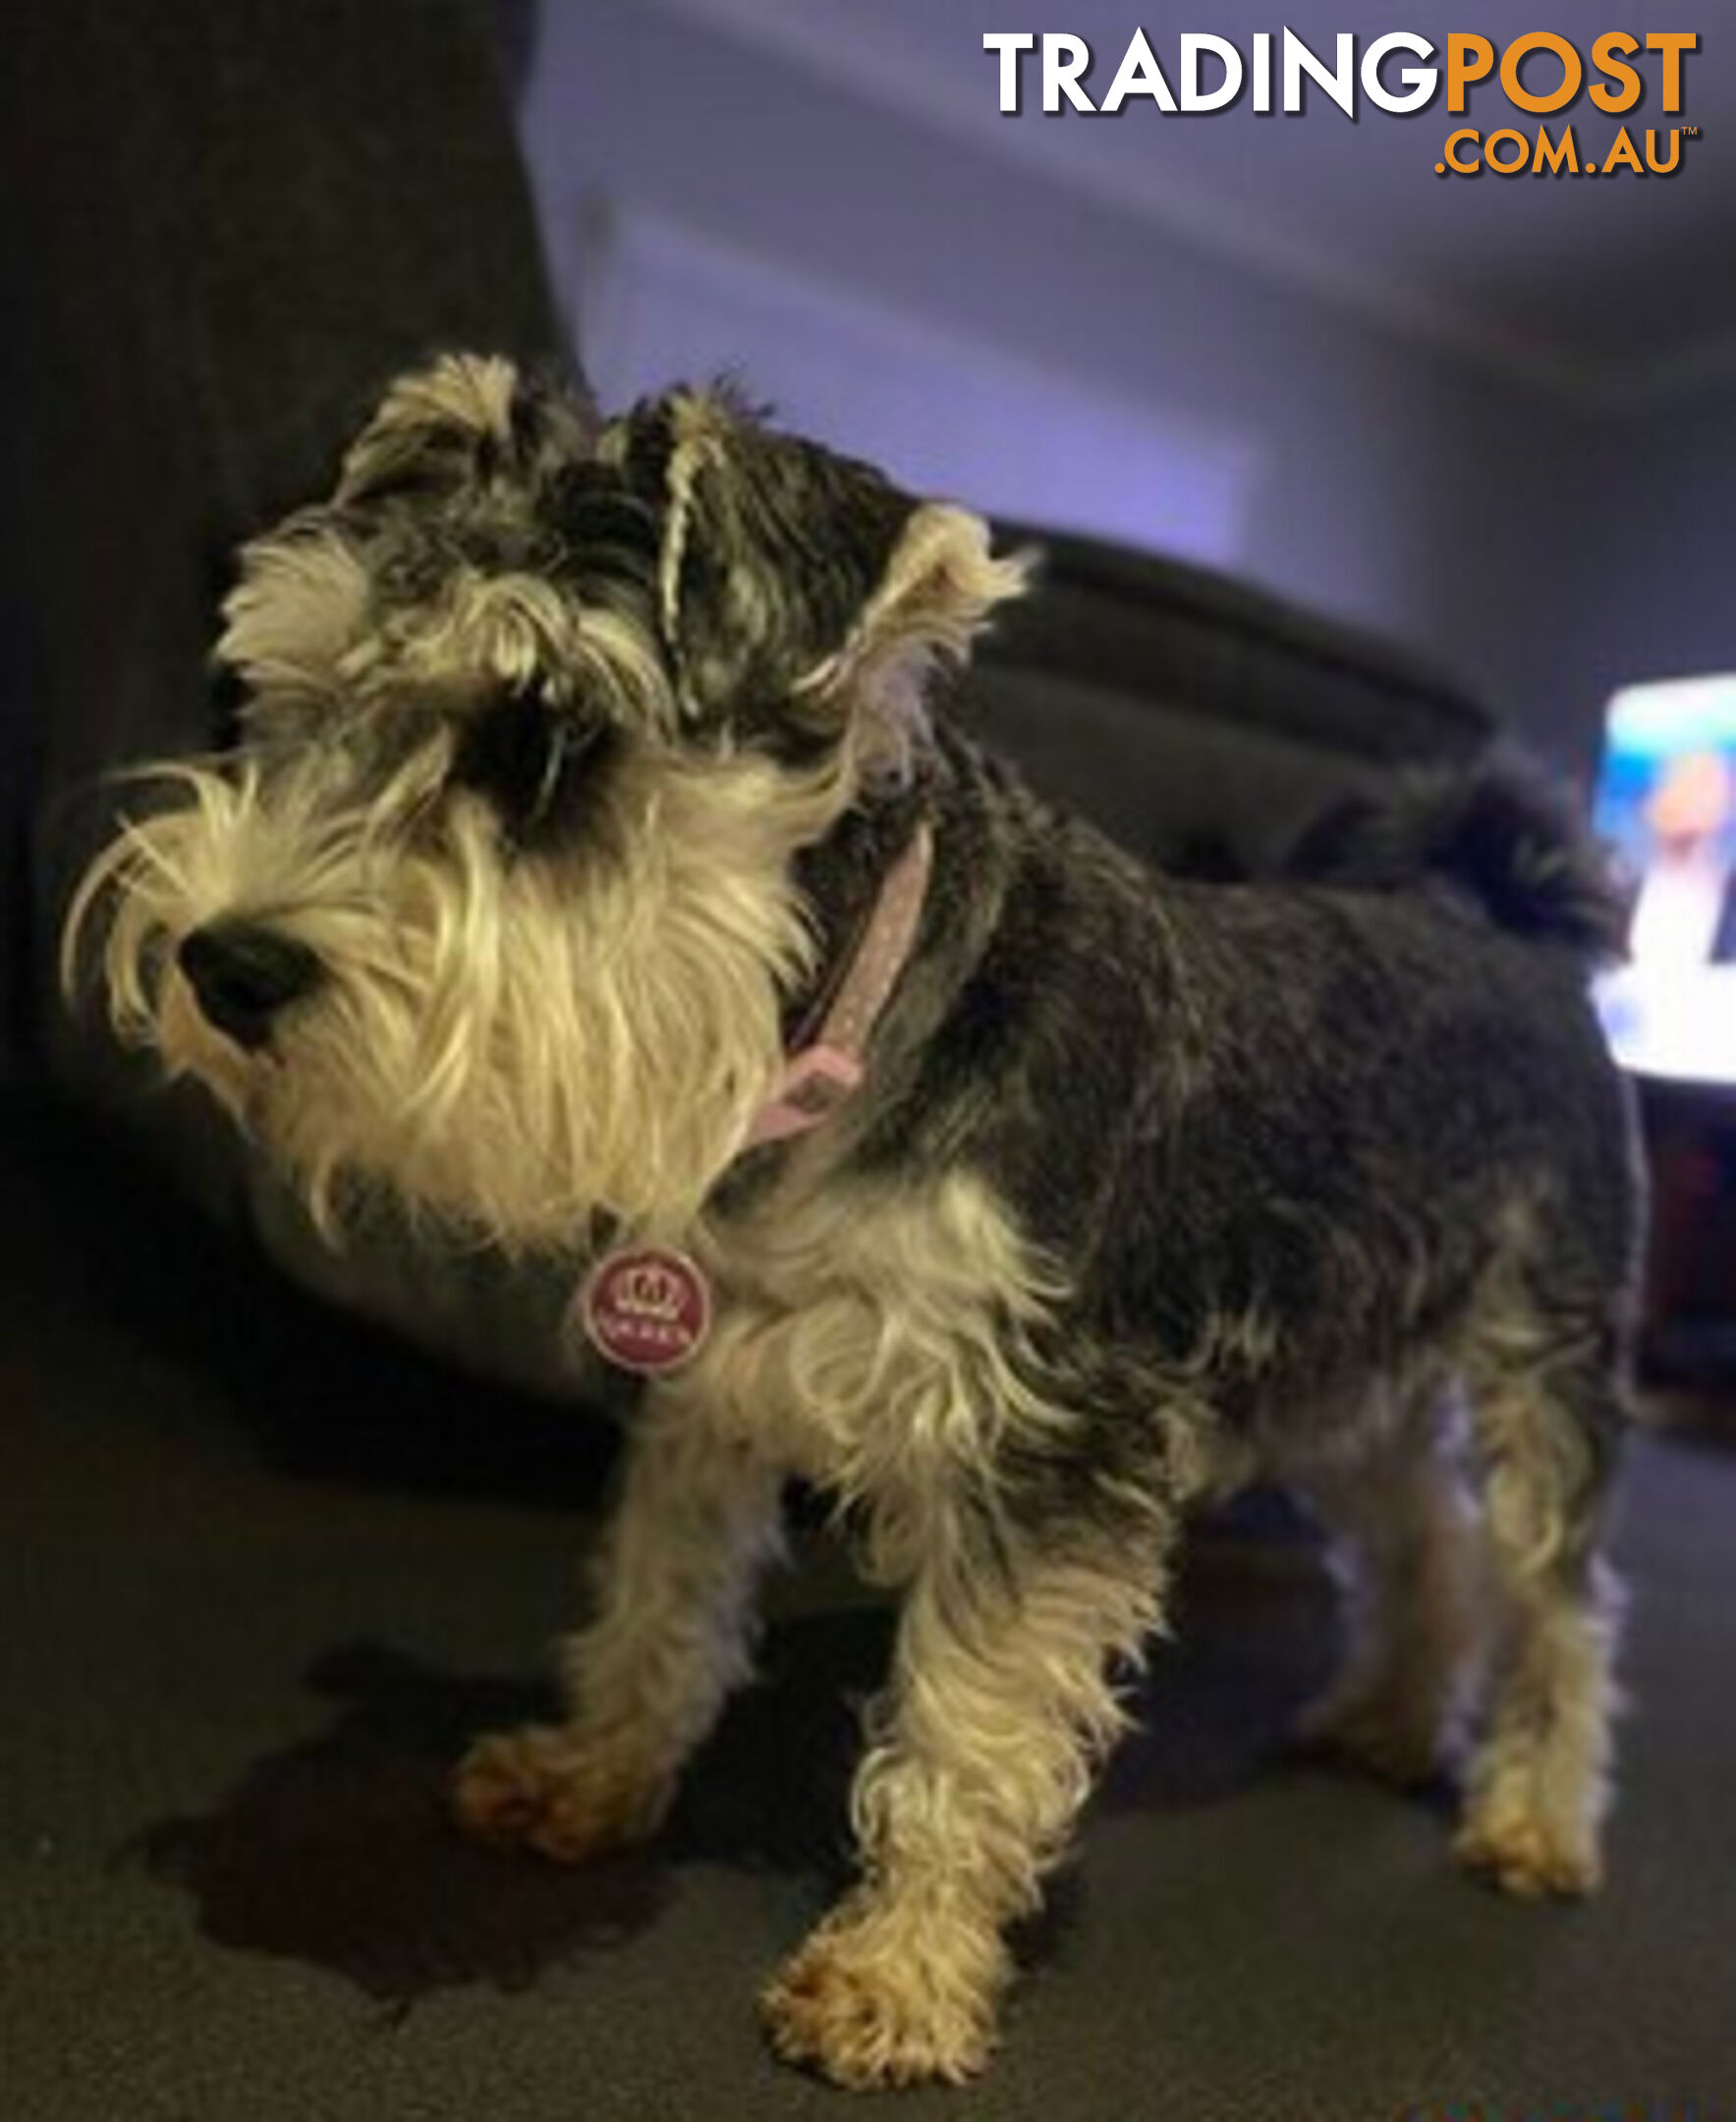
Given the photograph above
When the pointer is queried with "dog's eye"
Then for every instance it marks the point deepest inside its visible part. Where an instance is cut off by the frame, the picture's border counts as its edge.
(526, 757)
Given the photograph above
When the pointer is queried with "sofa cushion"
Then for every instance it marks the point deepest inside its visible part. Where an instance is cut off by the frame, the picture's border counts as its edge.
(1199, 721)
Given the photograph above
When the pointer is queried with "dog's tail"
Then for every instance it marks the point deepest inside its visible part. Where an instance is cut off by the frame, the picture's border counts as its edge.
(1496, 831)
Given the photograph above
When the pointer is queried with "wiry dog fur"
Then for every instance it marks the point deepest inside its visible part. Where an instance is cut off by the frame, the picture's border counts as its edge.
(573, 754)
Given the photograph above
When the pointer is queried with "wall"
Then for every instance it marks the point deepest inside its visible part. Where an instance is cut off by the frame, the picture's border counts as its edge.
(987, 332)
(1661, 602)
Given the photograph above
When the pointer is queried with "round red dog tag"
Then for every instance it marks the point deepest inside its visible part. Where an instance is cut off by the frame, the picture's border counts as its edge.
(646, 1309)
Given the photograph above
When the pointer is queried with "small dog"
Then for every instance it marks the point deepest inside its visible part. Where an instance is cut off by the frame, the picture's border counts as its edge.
(599, 872)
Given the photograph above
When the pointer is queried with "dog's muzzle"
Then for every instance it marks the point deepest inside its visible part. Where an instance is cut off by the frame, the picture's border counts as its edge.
(243, 977)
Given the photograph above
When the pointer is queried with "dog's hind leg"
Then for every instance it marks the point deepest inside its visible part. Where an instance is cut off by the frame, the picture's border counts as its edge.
(1547, 1406)
(1417, 1606)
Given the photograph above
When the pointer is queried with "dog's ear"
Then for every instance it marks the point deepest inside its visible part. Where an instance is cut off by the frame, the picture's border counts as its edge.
(794, 579)
(468, 423)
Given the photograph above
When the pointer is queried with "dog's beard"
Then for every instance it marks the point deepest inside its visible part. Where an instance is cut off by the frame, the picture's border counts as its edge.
(514, 1045)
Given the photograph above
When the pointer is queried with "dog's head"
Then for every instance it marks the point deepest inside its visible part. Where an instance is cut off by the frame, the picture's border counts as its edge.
(493, 900)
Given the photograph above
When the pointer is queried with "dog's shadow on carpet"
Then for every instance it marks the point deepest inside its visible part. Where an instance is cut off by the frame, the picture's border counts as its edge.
(339, 1852)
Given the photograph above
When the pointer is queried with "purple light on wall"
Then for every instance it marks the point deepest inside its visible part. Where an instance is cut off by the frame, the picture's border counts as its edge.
(944, 414)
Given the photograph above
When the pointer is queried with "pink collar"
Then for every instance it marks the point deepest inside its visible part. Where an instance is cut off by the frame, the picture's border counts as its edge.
(824, 1071)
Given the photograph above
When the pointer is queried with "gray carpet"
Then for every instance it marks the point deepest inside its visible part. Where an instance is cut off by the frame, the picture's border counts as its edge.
(261, 1574)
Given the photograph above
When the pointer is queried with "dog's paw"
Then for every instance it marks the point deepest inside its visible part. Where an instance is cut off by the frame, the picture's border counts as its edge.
(1393, 1739)
(558, 1791)
(1527, 1854)
(867, 2006)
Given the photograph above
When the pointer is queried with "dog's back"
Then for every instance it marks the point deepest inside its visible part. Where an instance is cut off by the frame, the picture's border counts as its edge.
(1497, 832)
(1284, 1130)
(1405, 1061)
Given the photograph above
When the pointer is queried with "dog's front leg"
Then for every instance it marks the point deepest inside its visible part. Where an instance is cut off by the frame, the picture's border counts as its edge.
(983, 1748)
(645, 1680)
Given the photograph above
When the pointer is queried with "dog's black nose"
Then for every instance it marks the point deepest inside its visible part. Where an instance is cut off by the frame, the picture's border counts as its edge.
(243, 976)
